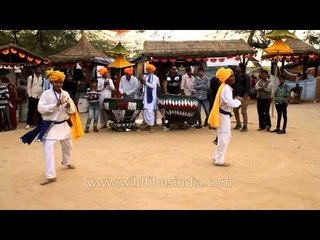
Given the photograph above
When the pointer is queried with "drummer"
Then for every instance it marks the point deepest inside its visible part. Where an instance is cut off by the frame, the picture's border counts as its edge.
(129, 85)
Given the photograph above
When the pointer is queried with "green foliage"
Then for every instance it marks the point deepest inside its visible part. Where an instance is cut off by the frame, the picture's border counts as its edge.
(313, 38)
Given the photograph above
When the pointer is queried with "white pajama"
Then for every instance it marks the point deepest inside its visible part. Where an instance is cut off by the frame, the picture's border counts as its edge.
(148, 116)
(48, 152)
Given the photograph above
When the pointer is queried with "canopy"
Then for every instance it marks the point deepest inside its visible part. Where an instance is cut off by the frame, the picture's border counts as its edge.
(279, 34)
(279, 47)
(120, 62)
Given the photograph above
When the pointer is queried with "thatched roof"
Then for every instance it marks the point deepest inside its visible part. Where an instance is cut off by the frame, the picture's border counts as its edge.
(15, 55)
(176, 49)
(298, 46)
(83, 51)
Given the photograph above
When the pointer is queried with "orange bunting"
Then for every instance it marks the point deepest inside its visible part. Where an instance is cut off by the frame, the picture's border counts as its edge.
(37, 61)
(21, 55)
(30, 59)
(5, 52)
(13, 50)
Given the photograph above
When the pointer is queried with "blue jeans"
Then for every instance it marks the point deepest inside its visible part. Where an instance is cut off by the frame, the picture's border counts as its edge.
(205, 105)
(94, 111)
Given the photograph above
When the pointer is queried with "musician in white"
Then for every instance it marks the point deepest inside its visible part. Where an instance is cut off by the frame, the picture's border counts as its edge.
(221, 112)
(150, 82)
(55, 105)
(105, 87)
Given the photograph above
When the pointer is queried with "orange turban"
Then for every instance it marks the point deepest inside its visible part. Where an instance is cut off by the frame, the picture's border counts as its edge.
(223, 74)
(102, 71)
(151, 67)
(55, 75)
(128, 70)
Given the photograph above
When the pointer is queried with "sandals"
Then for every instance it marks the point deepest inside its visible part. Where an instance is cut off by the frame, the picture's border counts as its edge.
(222, 164)
(48, 180)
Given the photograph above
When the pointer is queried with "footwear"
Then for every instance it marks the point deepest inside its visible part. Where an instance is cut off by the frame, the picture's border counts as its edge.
(198, 126)
(221, 164)
(48, 180)
(260, 129)
(38, 140)
(238, 126)
(95, 129)
(70, 166)
(282, 132)
(27, 127)
(215, 141)
(205, 124)
(244, 129)
(268, 128)
(104, 126)
(275, 131)
(87, 130)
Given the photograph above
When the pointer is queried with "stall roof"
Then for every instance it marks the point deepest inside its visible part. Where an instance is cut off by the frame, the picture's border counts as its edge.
(204, 48)
(83, 51)
(12, 54)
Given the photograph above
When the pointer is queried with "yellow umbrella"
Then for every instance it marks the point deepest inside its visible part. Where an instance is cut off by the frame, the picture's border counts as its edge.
(120, 62)
(279, 47)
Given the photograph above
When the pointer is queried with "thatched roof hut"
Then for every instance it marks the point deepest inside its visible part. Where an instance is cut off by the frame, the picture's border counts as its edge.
(12, 54)
(83, 51)
(190, 49)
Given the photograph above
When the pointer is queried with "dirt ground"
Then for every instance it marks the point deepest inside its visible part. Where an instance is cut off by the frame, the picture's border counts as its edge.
(171, 169)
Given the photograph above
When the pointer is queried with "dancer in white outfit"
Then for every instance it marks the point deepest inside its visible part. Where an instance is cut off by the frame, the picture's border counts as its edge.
(55, 105)
(221, 112)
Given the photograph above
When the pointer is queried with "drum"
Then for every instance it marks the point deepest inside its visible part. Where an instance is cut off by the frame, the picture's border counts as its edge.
(122, 112)
(177, 109)
(83, 105)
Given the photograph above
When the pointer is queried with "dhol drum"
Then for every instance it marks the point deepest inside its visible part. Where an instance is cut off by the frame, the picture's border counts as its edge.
(177, 109)
(83, 105)
(122, 112)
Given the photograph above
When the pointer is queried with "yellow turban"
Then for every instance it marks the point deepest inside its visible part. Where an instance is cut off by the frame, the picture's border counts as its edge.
(223, 74)
(151, 67)
(128, 70)
(103, 71)
(55, 75)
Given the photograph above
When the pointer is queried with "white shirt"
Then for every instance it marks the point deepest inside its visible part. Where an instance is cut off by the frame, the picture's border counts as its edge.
(187, 84)
(130, 87)
(106, 92)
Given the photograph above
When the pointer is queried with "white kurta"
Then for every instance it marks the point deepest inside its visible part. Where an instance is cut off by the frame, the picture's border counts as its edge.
(106, 92)
(148, 108)
(224, 130)
(48, 108)
(129, 87)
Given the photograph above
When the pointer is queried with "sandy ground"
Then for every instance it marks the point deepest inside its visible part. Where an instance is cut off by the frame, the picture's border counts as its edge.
(171, 170)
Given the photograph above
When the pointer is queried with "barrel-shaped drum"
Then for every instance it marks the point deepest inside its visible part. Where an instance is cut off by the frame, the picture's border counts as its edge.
(122, 112)
(178, 109)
